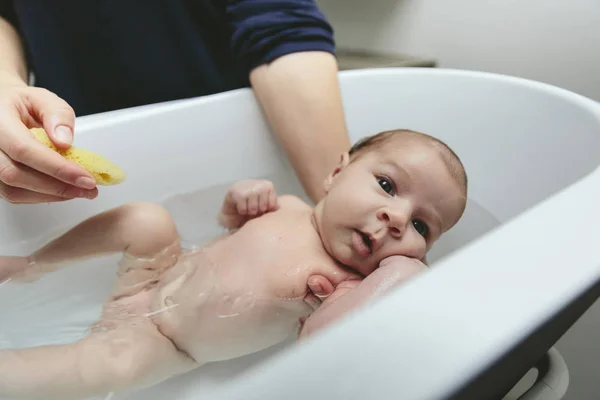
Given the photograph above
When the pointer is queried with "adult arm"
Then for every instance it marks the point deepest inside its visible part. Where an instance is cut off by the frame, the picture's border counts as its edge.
(13, 67)
(352, 295)
(287, 48)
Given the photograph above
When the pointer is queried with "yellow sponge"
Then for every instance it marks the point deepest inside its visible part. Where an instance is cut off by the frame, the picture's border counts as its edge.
(104, 172)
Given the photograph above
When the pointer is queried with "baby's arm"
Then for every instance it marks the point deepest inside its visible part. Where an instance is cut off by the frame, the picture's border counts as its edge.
(246, 200)
(139, 229)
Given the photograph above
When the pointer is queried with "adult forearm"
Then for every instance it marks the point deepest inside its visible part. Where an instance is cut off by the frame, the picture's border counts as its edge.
(13, 66)
(300, 95)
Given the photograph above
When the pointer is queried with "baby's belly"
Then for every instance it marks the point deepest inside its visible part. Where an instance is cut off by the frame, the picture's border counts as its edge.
(214, 319)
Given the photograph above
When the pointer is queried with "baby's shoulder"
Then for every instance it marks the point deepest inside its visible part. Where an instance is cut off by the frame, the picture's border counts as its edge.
(292, 202)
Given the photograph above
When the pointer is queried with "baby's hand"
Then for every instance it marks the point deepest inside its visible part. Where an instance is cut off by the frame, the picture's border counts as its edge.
(245, 200)
(17, 269)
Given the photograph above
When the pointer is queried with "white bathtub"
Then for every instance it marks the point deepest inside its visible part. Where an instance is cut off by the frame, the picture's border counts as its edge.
(469, 329)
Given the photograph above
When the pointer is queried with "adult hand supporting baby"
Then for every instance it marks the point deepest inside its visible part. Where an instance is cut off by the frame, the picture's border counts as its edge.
(350, 295)
(29, 171)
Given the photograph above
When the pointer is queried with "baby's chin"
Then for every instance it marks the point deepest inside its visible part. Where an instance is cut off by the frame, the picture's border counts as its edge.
(344, 255)
(364, 267)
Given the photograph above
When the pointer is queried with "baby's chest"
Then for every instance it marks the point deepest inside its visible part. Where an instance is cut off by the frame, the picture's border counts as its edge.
(275, 254)
(276, 273)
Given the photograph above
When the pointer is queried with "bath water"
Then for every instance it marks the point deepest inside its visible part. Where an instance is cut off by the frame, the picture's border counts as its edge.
(61, 307)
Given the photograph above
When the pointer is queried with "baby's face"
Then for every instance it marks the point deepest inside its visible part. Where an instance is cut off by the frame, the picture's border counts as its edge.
(396, 199)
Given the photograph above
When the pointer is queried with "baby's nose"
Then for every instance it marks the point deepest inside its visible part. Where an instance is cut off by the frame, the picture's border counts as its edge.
(396, 221)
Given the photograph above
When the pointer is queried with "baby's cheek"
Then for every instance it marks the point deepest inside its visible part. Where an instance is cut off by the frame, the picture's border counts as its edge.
(418, 246)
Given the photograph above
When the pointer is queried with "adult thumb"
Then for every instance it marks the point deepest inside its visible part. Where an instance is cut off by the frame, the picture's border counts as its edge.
(61, 135)
(57, 117)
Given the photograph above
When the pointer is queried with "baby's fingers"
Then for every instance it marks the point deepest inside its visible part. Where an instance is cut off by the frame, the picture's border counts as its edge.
(273, 203)
(264, 201)
(253, 204)
(241, 204)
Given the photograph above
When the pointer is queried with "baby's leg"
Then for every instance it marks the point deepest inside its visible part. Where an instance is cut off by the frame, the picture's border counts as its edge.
(139, 229)
(104, 361)
(120, 359)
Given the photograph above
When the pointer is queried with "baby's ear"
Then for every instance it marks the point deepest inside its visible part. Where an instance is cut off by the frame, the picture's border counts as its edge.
(344, 161)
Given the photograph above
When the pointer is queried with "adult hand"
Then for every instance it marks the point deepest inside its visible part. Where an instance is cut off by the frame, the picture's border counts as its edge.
(29, 171)
(392, 272)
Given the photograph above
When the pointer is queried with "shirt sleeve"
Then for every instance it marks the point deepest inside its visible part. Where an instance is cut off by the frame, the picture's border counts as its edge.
(266, 29)
(7, 11)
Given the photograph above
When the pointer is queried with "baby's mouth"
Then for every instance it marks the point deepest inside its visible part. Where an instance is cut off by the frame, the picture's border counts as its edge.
(367, 241)
(363, 243)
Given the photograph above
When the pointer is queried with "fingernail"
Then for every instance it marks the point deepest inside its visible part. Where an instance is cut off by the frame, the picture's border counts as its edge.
(63, 134)
(85, 182)
(317, 289)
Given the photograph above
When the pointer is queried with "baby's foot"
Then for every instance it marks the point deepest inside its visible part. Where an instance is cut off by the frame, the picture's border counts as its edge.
(18, 269)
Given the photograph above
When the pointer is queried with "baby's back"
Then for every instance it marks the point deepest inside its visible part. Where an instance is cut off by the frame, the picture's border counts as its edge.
(245, 291)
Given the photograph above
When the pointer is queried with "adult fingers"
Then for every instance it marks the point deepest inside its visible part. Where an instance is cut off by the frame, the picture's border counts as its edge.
(320, 286)
(14, 175)
(19, 145)
(23, 196)
(17, 142)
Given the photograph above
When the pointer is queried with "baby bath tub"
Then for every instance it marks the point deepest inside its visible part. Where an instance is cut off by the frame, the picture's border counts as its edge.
(506, 282)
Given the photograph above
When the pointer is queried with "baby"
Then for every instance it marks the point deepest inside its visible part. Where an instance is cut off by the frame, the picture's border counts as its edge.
(176, 309)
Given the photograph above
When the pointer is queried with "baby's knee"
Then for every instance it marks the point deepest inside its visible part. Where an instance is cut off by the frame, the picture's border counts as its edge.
(150, 228)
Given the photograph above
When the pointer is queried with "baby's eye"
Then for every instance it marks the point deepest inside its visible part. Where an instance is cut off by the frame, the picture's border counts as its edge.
(386, 185)
(421, 227)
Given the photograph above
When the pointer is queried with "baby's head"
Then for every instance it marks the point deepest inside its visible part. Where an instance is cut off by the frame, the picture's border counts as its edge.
(394, 193)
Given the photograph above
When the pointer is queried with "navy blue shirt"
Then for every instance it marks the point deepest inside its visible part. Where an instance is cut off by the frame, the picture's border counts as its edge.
(101, 55)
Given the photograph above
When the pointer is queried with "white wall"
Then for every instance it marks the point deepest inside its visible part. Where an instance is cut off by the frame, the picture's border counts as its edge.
(553, 41)
(556, 41)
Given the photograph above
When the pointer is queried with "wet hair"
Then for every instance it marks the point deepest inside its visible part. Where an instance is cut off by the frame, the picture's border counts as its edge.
(450, 158)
